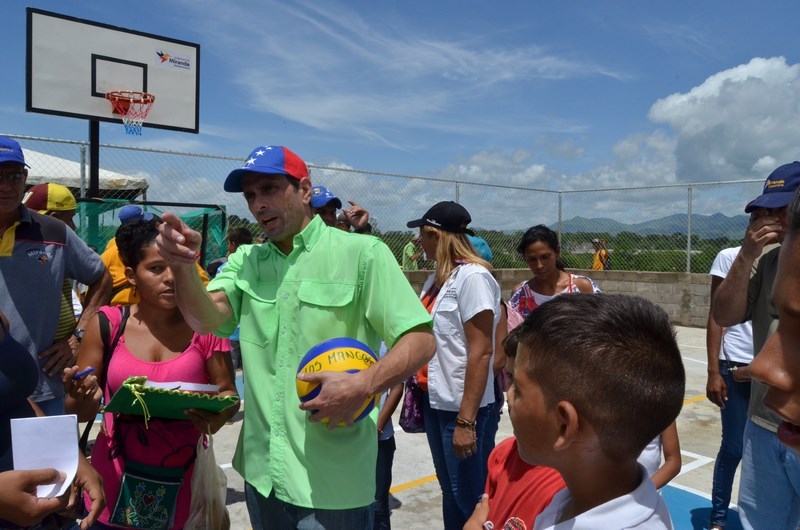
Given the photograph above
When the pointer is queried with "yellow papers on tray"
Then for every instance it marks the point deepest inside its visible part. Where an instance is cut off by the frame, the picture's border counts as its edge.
(165, 400)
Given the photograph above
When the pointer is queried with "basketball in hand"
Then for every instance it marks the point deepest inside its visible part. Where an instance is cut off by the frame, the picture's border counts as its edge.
(338, 355)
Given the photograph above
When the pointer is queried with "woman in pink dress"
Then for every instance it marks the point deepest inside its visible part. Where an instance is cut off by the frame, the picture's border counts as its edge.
(542, 253)
(147, 467)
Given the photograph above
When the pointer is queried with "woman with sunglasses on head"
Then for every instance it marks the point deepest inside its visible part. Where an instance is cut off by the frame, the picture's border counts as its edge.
(541, 251)
(464, 300)
(156, 342)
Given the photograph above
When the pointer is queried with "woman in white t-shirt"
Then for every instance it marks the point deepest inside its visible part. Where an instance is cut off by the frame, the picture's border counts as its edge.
(464, 300)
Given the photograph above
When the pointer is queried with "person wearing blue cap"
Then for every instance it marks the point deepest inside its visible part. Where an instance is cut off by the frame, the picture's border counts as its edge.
(37, 253)
(324, 203)
(768, 493)
(122, 293)
(308, 283)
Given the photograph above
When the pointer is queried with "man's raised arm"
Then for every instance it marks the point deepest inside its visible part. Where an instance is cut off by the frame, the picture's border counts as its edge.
(730, 300)
(178, 245)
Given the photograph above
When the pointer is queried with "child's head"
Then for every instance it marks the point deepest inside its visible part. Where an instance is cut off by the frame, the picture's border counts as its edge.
(606, 362)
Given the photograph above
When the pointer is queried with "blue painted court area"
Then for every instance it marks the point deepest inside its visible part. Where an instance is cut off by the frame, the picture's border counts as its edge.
(691, 510)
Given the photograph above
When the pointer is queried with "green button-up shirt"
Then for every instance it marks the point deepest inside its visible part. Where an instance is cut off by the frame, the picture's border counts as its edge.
(332, 284)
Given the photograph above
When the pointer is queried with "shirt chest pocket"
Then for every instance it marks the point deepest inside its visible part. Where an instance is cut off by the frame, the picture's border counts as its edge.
(258, 322)
(326, 306)
(446, 316)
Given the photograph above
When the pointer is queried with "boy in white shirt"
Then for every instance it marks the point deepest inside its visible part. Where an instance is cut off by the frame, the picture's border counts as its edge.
(588, 395)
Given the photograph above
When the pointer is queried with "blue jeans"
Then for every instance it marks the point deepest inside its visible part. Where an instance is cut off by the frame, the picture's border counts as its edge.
(462, 480)
(734, 418)
(769, 489)
(383, 481)
(493, 422)
(271, 513)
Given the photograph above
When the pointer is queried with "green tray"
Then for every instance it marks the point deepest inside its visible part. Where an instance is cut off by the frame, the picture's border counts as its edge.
(135, 398)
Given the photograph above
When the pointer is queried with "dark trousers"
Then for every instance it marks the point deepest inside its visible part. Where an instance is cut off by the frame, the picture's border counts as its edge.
(383, 481)
(271, 513)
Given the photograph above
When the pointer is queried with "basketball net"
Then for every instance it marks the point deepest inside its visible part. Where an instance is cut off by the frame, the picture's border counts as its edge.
(132, 106)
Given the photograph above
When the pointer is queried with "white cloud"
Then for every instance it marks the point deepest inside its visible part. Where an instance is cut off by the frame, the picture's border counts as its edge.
(499, 167)
(737, 120)
(639, 160)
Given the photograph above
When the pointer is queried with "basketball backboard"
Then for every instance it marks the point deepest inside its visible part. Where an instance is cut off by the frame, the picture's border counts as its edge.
(72, 64)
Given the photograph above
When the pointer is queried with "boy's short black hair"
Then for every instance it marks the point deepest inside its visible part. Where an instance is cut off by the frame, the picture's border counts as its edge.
(615, 359)
(511, 342)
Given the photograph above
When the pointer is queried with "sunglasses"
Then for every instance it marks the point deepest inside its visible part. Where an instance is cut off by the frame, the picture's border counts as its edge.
(14, 178)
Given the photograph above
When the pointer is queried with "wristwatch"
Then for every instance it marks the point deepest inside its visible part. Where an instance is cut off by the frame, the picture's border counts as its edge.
(78, 334)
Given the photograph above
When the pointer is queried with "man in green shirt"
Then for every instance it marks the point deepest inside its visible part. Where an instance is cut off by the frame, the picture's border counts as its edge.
(411, 254)
(308, 283)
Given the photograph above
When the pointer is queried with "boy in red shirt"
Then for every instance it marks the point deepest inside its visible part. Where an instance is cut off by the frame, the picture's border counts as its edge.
(516, 492)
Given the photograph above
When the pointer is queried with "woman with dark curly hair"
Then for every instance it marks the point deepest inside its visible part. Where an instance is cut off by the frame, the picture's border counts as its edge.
(541, 251)
(147, 468)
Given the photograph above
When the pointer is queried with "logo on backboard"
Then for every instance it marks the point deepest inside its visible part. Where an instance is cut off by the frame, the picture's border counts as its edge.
(167, 59)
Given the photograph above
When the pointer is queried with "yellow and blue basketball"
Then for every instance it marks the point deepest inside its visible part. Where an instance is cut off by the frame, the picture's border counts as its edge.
(341, 354)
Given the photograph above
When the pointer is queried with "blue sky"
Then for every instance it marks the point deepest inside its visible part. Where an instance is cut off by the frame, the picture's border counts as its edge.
(562, 95)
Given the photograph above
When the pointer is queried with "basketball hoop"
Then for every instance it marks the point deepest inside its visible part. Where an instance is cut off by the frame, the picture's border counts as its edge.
(132, 106)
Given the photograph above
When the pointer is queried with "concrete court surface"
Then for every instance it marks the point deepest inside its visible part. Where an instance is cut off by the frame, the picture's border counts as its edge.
(415, 484)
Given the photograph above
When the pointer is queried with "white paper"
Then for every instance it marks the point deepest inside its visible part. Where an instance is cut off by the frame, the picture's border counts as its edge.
(47, 442)
(181, 385)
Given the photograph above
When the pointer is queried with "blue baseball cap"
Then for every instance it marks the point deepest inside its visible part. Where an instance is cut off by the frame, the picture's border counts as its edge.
(778, 188)
(269, 160)
(10, 151)
(481, 247)
(132, 213)
(320, 196)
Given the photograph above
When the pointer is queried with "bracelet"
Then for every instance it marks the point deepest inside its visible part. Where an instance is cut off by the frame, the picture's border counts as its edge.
(461, 422)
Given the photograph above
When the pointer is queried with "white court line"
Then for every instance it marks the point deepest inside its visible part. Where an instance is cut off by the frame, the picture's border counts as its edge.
(691, 346)
(694, 360)
(699, 493)
(698, 462)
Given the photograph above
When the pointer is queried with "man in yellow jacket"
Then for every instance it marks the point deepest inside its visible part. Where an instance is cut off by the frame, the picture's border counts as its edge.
(600, 259)
(121, 291)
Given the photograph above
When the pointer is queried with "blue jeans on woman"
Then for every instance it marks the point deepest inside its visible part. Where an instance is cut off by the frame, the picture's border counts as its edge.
(734, 418)
(462, 480)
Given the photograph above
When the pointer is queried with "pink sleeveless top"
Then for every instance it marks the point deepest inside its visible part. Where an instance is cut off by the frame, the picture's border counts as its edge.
(525, 300)
(166, 443)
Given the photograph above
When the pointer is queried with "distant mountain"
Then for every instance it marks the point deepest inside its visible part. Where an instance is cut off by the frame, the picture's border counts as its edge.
(705, 226)
(600, 224)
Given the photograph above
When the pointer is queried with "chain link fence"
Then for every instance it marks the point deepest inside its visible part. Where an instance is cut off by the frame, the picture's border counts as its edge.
(673, 228)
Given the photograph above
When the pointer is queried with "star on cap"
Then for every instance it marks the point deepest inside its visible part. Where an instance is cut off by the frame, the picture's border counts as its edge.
(260, 152)
(250, 162)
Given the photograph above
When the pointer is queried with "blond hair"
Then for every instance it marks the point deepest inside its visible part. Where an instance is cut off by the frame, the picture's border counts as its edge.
(452, 250)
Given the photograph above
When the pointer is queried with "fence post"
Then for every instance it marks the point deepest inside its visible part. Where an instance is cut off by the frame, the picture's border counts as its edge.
(689, 231)
(560, 195)
(83, 171)
(458, 192)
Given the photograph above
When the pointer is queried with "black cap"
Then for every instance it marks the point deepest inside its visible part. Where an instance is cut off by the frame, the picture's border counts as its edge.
(448, 216)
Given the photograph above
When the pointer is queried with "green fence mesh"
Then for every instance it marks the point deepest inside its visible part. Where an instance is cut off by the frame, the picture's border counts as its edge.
(97, 223)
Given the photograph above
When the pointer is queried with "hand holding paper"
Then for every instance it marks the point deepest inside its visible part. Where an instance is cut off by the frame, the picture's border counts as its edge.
(47, 442)
(18, 503)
